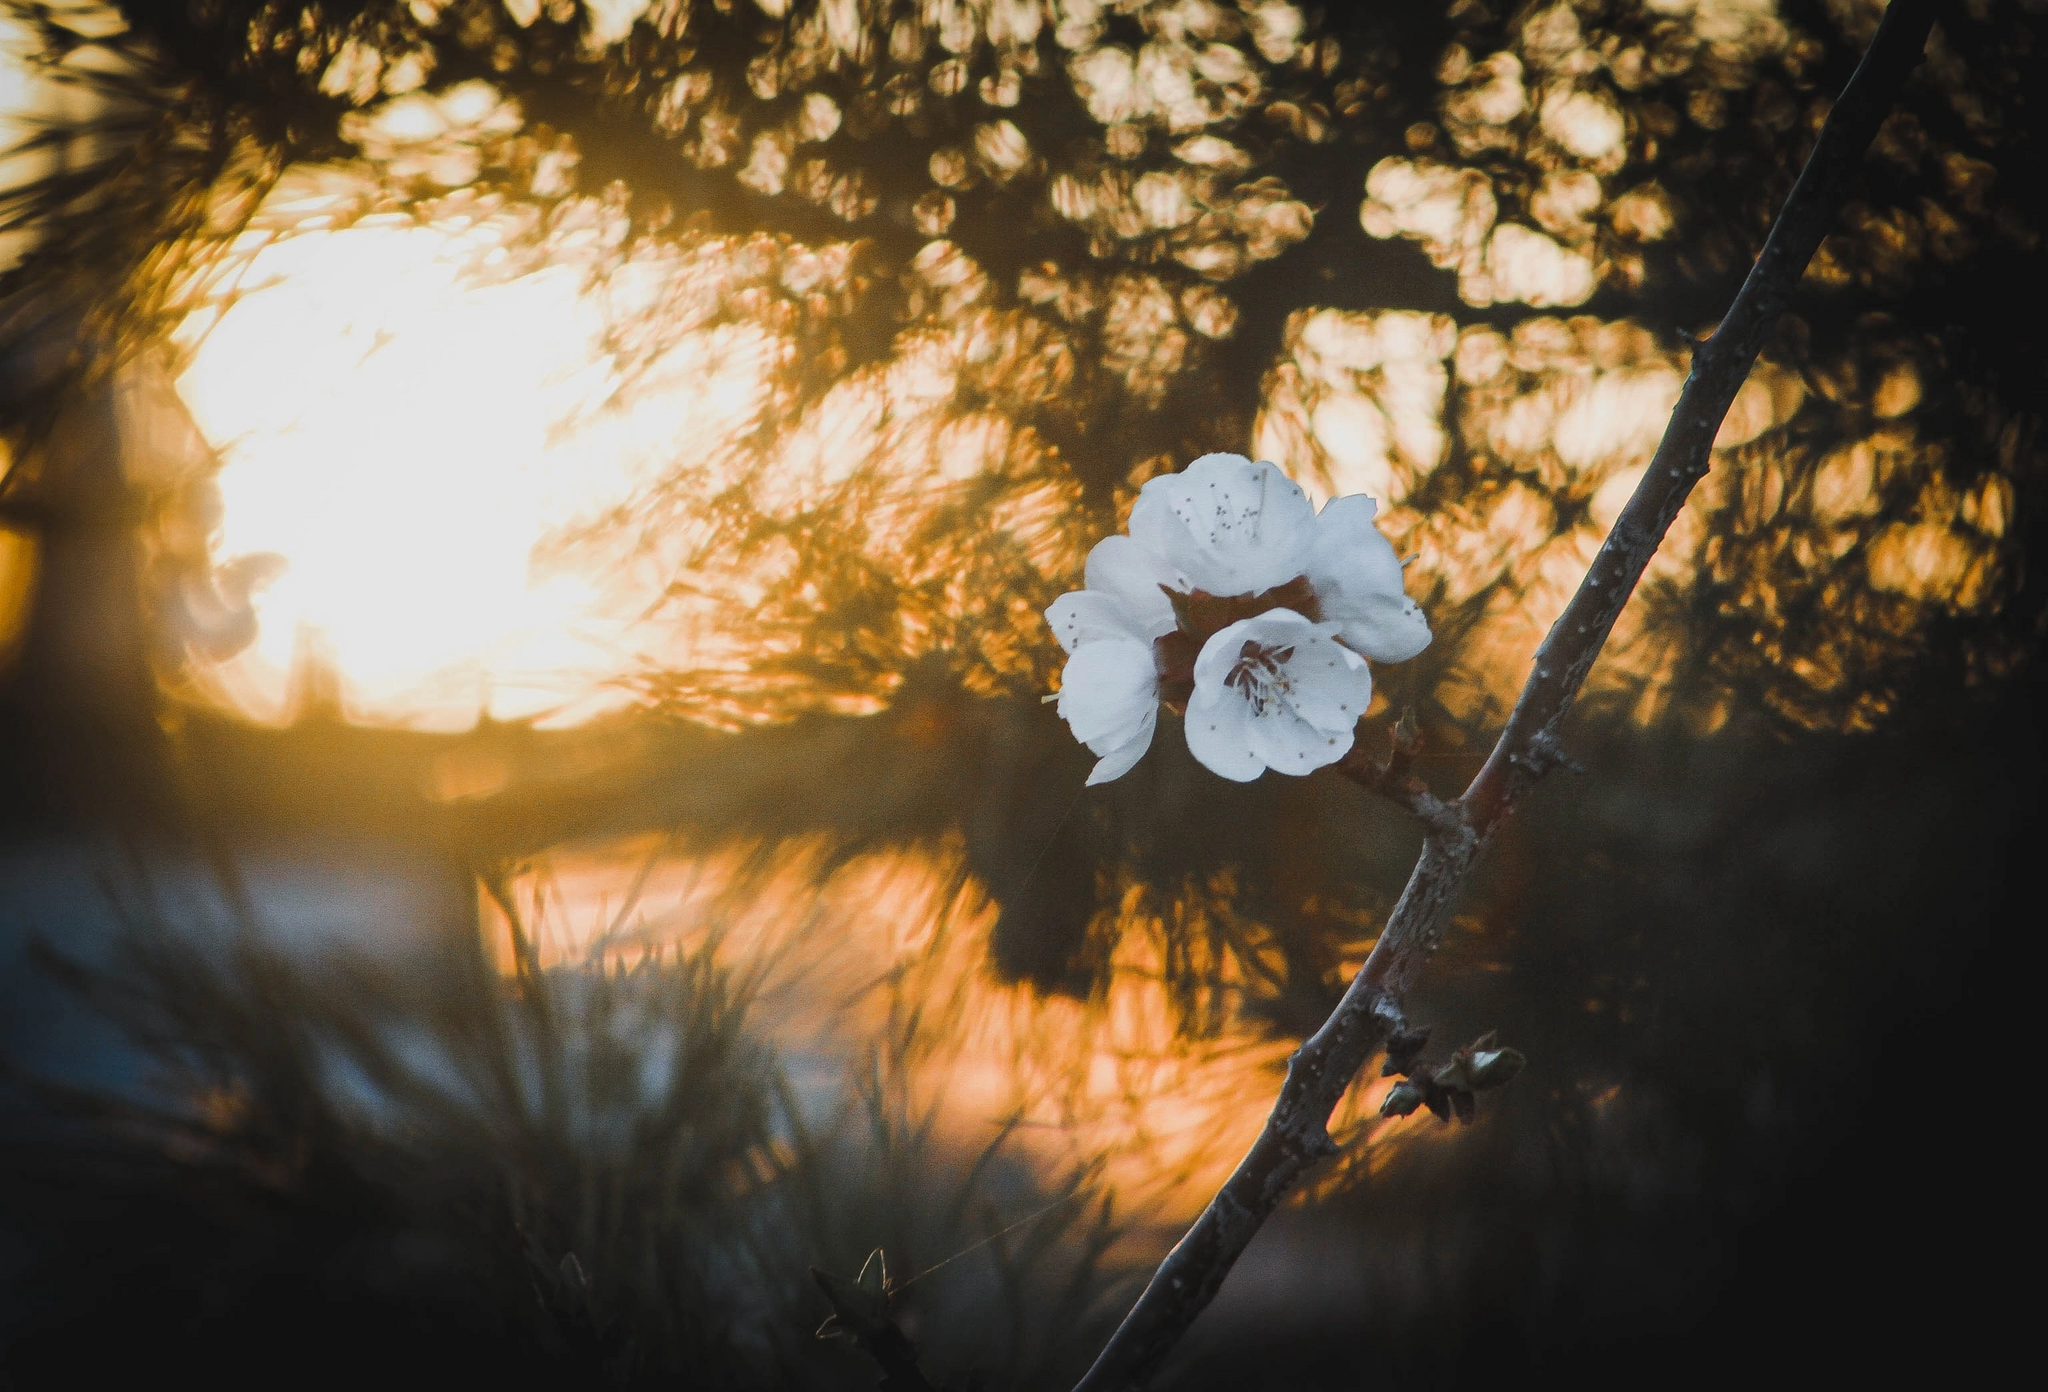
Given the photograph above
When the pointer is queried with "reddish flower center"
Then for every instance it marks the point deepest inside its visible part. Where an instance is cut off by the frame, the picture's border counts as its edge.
(1203, 615)
(1256, 675)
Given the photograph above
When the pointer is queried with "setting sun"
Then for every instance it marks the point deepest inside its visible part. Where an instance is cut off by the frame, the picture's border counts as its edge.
(404, 428)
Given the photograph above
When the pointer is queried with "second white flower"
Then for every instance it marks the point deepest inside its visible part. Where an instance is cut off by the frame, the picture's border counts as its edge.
(1276, 691)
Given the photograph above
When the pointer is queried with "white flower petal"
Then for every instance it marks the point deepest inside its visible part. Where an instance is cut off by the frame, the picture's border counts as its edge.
(1384, 629)
(1219, 734)
(1119, 759)
(1108, 691)
(1350, 543)
(1156, 529)
(1132, 575)
(1286, 743)
(1080, 617)
(1327, 684)
(1357, 581)
(1227, 525)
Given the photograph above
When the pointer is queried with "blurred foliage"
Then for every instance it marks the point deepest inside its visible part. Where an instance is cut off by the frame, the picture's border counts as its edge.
(1744, 969)
(994, 264)
(597, 1171)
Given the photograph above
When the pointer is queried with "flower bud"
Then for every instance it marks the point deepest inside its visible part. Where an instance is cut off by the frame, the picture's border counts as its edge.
(1402, 1099)
(1495, 1068)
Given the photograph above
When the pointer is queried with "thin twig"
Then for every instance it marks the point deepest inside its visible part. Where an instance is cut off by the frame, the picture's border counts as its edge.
(971, 1248)
(1296, 1134)
(1393, 781)
(1398, 786)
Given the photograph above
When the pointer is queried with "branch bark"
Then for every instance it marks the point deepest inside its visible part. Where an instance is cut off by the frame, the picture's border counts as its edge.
(1296, 1134)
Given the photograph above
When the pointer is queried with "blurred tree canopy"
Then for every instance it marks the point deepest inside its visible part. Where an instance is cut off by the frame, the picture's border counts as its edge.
(996, 262)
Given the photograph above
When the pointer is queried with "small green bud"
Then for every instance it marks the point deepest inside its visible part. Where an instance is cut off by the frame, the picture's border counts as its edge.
(1495, 1068)
(1402, 1098)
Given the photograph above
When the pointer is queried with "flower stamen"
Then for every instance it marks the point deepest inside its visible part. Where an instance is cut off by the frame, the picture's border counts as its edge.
(1257, 675)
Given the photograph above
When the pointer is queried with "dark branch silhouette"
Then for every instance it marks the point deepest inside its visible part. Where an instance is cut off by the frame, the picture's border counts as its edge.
(1296, 1134)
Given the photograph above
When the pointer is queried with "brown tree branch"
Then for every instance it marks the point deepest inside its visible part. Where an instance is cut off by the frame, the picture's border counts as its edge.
(1296, 1134)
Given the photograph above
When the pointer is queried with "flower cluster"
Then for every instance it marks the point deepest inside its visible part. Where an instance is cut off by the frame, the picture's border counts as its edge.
(1236, 603)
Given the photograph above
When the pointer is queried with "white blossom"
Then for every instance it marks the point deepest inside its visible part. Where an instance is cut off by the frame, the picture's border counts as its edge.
(1235, 600)
(1277, 691)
